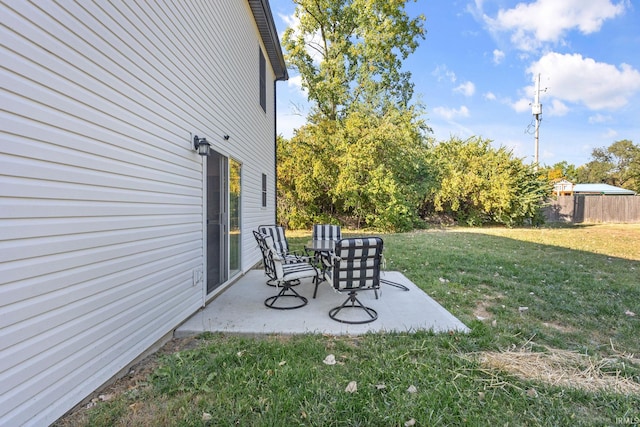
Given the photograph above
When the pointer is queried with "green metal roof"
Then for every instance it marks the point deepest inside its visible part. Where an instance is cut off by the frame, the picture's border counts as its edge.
(601, 189)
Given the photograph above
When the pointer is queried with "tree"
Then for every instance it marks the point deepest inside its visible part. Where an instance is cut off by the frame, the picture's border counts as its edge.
(383, 169)
(306, 171)
(559, 171)
(350, 52)
(618, 164)
(367, 168)
(479, 184)
(362, 154)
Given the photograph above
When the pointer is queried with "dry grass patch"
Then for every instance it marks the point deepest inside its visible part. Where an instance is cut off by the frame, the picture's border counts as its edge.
(480, 312)
(563, 368)
(559, 327)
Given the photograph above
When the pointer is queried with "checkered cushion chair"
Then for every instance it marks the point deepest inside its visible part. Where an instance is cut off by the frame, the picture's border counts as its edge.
(283, 275)
(280, 243)
(326, 232)
(355, 267)
(281, 246)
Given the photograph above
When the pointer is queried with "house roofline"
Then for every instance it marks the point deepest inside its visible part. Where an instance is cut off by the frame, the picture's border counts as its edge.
(267, 28)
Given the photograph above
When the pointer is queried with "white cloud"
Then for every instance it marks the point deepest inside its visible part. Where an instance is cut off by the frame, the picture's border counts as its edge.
(498, 56)
(466, 88)
(442, 72)
(547, 21)
(599, 118)
(451, 113)
(295, 82)
(610, 134)
(289, 20)
(522, 105)
(558, 108)
(597, 85)
(490, 96)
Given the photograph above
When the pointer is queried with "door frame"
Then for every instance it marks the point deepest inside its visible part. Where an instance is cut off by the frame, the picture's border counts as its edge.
(217, 220)
(207, 296)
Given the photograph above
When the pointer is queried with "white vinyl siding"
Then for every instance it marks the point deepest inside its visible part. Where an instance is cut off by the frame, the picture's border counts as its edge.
(101, 192)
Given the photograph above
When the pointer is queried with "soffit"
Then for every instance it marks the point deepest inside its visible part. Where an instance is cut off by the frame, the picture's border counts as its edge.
(267, 28)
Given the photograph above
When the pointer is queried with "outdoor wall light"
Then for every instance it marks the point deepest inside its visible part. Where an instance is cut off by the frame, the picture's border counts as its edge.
(201, 145)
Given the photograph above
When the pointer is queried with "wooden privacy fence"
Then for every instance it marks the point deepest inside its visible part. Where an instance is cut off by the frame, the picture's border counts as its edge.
(593, 208)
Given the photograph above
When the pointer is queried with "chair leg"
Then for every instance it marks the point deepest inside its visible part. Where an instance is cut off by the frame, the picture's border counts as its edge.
(353, 302)
(271, 301)
(397, 285)
(317, 281)
(274, 284)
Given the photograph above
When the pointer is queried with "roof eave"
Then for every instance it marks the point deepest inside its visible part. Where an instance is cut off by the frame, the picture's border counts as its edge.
(267, 28)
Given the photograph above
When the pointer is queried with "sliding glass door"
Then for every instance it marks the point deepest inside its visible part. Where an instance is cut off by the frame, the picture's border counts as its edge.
(216, 221)
(223, 219)
(234, 218)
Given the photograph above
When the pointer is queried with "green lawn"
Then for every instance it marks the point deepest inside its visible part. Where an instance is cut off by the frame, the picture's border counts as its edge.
(554, 316)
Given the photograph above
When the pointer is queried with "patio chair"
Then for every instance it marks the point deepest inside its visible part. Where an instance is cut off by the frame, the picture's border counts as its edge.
(355, 267)
(283, 275)
(326, 232)
(276, 232)
(323, 233)
(280, 243)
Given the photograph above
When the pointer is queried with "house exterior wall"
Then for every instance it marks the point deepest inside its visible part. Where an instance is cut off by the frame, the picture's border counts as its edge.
(102, 202)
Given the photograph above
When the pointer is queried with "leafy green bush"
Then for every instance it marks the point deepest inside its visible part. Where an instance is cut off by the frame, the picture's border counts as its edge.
(479, 184)
(369, 167)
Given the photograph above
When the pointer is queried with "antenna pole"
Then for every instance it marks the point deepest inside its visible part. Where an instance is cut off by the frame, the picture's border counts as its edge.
(537, 112)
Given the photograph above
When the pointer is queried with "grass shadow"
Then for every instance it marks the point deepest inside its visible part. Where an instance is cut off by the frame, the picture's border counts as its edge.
(566, 297)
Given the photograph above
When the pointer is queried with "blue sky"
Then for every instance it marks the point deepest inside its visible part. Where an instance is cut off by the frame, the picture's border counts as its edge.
(475, 73)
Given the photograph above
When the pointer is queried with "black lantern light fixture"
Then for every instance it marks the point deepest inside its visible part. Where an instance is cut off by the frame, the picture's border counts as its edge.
(201, 145)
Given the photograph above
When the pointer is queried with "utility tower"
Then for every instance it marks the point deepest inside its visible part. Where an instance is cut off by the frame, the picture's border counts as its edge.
(536, 109)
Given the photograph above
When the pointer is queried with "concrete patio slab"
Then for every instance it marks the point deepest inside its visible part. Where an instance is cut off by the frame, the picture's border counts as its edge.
(240, 309)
